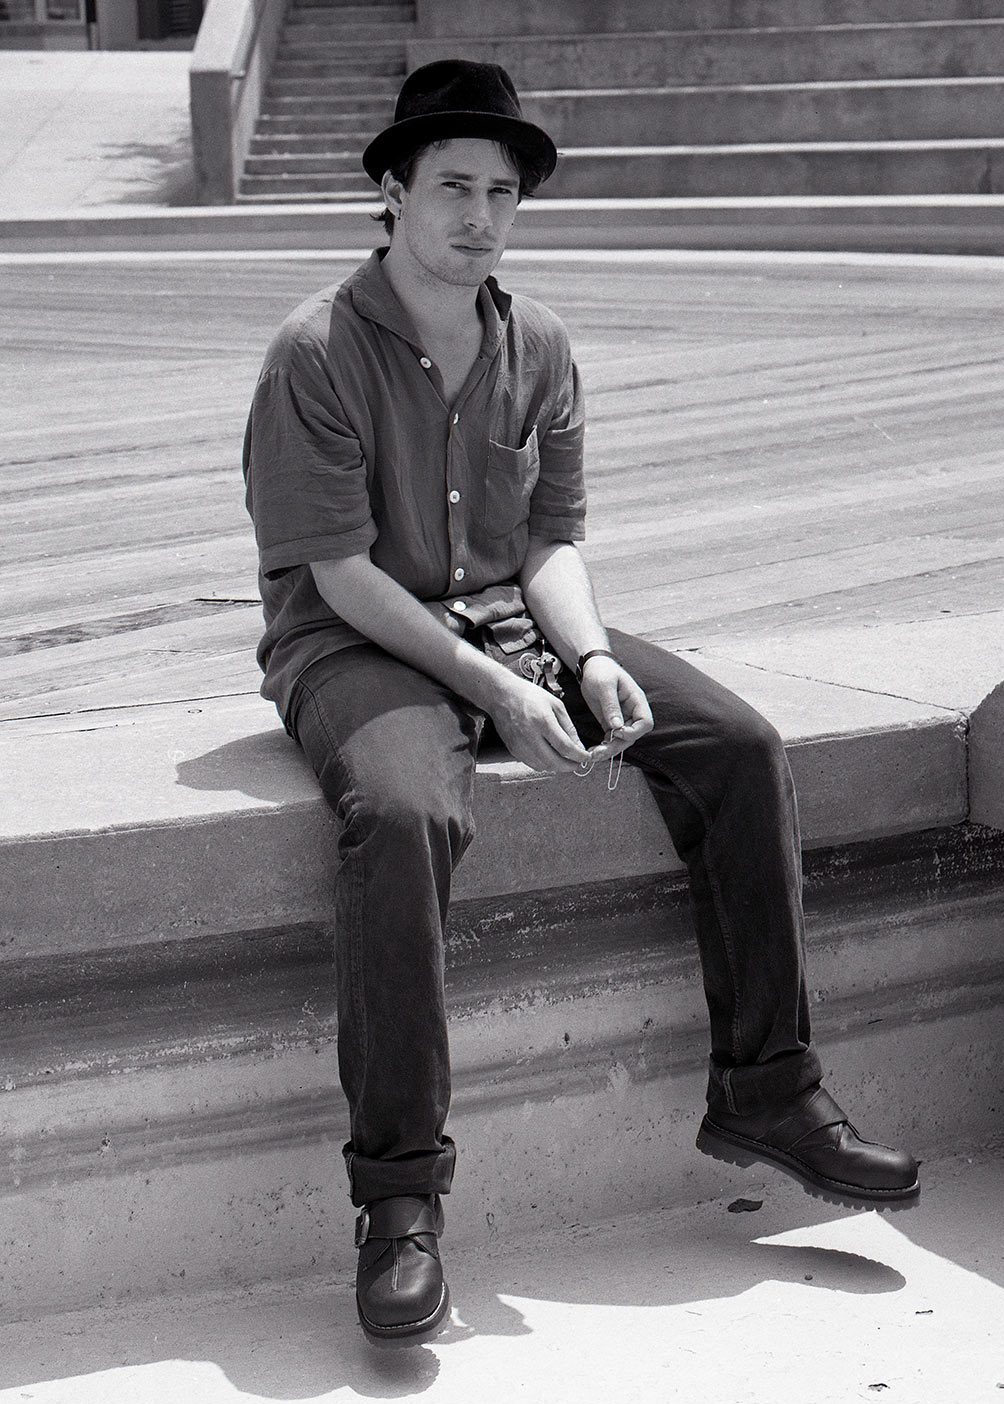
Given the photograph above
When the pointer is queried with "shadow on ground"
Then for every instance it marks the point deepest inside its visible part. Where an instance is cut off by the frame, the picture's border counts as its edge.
(276, 1347)
(267, 765)
(162, 172)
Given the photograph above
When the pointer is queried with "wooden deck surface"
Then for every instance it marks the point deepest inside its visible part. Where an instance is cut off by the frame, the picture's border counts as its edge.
(772, 446)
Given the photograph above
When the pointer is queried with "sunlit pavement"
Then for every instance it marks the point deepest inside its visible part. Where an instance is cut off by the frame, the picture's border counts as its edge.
(795, 1301)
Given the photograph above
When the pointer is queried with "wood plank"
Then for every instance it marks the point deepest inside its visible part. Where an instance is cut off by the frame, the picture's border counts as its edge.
(772, 446)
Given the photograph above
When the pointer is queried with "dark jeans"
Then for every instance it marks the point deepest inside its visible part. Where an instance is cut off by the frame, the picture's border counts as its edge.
(394, 752)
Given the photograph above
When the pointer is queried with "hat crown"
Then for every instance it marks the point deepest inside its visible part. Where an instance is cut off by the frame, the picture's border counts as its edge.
(457, 85)
(455, 98)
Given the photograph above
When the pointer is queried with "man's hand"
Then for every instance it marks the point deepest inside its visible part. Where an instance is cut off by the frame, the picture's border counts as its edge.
(535, 728)
(617, 703)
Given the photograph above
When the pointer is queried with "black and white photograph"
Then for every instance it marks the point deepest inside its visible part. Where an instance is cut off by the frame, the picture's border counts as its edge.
(502, 701)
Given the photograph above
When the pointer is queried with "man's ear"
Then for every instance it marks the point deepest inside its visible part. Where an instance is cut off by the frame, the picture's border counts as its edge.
(393, 193)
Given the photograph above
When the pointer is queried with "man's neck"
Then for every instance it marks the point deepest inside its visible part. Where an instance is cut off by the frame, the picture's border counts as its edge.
(440, 311)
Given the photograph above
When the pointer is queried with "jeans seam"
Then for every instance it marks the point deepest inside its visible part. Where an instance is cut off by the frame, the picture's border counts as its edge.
(718, 902)
(353, 904)
(470, 828)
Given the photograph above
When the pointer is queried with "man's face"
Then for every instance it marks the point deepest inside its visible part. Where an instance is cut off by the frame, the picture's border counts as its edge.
(457, 211)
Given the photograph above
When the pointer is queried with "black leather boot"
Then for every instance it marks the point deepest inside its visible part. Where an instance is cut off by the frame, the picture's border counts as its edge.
(400, 1293)
(811, 1139)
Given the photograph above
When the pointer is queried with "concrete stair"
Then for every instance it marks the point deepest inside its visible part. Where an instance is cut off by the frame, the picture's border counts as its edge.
(171, 1112)
(332, 88)
(754, 98)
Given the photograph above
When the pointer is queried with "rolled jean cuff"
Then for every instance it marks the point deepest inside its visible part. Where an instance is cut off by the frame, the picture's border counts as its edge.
(755, 1087)
(371, 1179)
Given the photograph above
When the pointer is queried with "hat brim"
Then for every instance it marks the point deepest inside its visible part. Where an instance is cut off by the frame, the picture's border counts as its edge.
(401, 139)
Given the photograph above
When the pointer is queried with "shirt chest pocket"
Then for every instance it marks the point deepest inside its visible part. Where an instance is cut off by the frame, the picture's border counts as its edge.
(512, 476)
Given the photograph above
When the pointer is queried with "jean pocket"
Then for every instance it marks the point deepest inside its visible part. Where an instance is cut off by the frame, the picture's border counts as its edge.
(511, 478)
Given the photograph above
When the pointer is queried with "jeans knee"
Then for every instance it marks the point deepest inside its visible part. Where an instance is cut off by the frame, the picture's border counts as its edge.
(407, 818)
(760, 749)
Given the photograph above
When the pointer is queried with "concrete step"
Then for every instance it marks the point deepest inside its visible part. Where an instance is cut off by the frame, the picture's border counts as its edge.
(377, 61)
(651, 228)
(349, 183)
(169, 1078)
(476, 21)
(854, 168)
(325, 20)
(303, 163)
(905, 109)
(347, 91)
(320, 7)
(900, 109)
(795, 169)
(264, 191)
(180, 1100)
(307, 41)
(321, 138)
(952, 49)
(347, 126)
(341, 106)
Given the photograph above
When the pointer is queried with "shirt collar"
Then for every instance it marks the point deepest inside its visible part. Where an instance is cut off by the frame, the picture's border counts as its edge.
(374, 298)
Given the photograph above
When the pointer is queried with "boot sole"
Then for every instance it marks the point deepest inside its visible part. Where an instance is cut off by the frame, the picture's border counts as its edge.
(410, 1333)
(738, 1150)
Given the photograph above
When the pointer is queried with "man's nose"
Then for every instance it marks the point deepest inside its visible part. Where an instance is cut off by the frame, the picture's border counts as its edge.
(478, 212)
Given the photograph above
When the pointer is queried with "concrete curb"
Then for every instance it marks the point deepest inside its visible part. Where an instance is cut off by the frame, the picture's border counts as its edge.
(167, 1124)
(202, 817)
(934, 224)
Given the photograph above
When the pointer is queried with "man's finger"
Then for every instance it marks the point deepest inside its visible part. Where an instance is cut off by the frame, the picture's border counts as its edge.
(636, 705)
(561, 736)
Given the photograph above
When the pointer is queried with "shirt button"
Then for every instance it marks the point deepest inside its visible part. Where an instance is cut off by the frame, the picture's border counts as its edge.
(456, 419)
(459, 606)
(459, 573)
(454, 496)
(425, 363)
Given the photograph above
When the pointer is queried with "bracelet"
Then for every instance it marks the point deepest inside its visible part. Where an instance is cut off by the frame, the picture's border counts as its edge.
(593, 653)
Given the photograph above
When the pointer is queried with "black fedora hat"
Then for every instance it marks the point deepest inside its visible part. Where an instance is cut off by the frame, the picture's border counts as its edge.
(457, 98)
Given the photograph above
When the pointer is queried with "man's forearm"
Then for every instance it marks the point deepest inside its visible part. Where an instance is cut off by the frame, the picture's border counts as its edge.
(559, 596)
(367, 598)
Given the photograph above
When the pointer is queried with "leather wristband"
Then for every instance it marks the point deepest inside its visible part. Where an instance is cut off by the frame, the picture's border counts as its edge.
(585, 657)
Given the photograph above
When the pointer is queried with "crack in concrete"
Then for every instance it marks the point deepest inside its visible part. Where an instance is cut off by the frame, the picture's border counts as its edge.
(126, 707)
(828, 682)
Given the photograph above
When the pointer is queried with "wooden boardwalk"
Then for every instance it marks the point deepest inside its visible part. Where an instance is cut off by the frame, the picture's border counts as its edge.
(773, 445)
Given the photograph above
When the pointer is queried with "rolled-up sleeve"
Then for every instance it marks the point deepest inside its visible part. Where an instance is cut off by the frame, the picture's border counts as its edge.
(304, 470)
(558, 504)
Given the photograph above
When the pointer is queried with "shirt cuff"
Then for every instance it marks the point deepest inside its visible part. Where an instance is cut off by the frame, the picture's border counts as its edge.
(286, 554)
(557, 528)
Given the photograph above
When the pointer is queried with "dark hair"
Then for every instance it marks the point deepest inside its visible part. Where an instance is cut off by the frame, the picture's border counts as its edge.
(531, 172)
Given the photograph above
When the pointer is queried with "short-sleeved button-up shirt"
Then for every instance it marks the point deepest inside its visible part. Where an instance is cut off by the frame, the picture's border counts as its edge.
(350, 447)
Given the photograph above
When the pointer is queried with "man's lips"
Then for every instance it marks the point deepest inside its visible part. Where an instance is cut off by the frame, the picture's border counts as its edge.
(474, 248)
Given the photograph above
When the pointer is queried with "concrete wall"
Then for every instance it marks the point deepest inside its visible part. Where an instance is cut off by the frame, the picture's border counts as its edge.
(230, 68)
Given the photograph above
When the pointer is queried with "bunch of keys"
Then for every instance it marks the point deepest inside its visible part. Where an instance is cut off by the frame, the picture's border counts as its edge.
(614, 774)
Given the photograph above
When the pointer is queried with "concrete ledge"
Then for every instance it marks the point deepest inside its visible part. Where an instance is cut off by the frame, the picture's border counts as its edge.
(193, 818)
(183, 1105)
(935, 224)
(659, 57)
(471, 19)
(170, 1104)
(986, 745)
